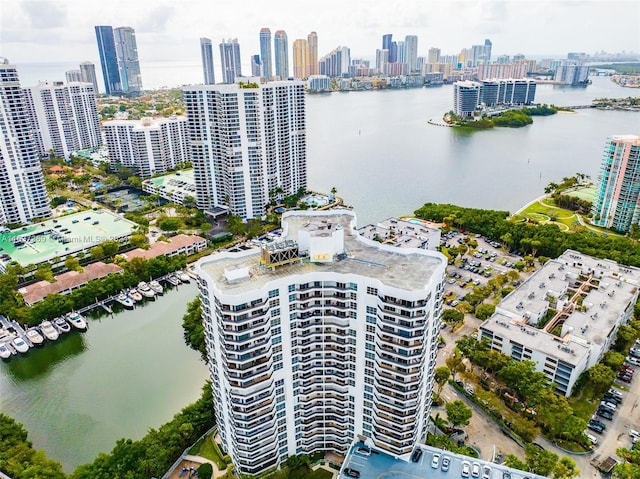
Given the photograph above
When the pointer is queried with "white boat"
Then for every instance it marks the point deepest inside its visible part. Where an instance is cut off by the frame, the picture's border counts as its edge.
(49, 331)
(174, 280)
(134, 295)
(20, 345)
(156, 287)
(5, 352)
(62, 325)
(77, 320)
(35, 337)
(125, 301)
(191, 273)
(182, 276)
(145, 290)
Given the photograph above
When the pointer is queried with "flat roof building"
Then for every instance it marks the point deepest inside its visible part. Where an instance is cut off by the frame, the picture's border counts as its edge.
(319, 339)
(403, 233)
(174, 187)
(565, 316)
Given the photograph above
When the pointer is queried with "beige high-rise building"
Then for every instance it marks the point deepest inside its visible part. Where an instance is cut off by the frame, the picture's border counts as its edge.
(300, 59)
(312, 41)
(434, 55)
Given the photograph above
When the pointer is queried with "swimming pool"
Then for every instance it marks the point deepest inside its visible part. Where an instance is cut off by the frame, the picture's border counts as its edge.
(316, 201)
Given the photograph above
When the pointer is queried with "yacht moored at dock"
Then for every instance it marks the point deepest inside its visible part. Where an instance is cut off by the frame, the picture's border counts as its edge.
(77, 321)
(156, 287)
(145, 290)
(134, 295)
(34, 336)
(62, 325)
(125, 301)
(20, 345)
(173, 280)
(49, 331)
(182, 276)
(5, 352)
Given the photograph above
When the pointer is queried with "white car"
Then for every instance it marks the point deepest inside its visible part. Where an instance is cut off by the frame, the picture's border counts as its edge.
(466, 469)
(435, 462)
(486, 472)
(475, 470)
(634, 434)
(632, 360)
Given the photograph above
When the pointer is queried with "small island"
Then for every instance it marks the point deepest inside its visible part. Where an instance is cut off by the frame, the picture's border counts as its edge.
(509, 117)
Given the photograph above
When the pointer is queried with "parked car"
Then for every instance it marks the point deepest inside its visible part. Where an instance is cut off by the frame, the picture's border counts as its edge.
(486, 472)
(445, 463)
(466, 469)
(417, 454)
(607, 405)
(435, 461)
(627, 378)
(632, 360)
(611, 398)
(604, 413)
(592, 438)
(595, 422)
(475, 470)
(635, 352)
(615, 392)
(352, 472)
(595, 427)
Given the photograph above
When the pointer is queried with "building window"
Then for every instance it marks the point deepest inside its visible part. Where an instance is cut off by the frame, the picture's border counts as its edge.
(372, 291)
(274, 293)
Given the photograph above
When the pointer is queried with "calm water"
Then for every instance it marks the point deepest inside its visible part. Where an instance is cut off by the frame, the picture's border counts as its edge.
(132, 371)
(127, 373)
(379, 152)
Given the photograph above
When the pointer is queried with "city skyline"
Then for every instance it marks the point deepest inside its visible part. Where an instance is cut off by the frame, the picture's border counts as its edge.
(39, 31)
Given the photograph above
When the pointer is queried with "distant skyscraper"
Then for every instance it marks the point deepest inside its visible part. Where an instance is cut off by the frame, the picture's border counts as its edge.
(487, 49)
(434, 55)
(300, 59)
(382, 58)
(281, 49)
(336, 63)
(64, 117)
(617, 201)
(400, 52)
(572, 73)
(265, 53)
(230, 60)
(128, 64)
(256, 66)
(23, 196)
(73, 76)
(387, 44)
(206, 52)
(88, 72)
(246, 143)
(312, 40)
(411, 49)
(108, 60)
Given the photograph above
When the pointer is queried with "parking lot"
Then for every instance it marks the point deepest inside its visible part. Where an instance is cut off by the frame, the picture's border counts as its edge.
(366, 463)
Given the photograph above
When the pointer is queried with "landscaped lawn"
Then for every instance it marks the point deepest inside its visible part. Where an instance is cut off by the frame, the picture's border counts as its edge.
(319, 474)
(208, 451)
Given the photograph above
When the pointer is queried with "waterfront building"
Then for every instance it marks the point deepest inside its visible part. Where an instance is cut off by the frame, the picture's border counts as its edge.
(507, 92)
(300, 59)
(64, 117)
(206, 53)
(411, 52)
(466, 97)
(395, 69)
(151, 145)
(230, 60)
(265, 53)
(403, 233)
(616, 204)
(389, 45)
(88, 75)
(281, 49)
(565, 316)
(23, 196)
(246, 143)
(128, 64)
(518, 56)
(73, 76)
(572, 73)
(336, 63)
(382, 58)
(503, 60)
(312, 41)
(108, 59)
(433, 56)
(178, 187)
(401, 52)
(256, 66)
(178, 244)
(319, 339)
(498, 70)
(318, 83)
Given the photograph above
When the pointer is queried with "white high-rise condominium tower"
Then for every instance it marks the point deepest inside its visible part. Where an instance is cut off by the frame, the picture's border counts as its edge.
(64, 117)
(246, 143)
(152, 146)
(319, 339)
(411, 52)
(23, 195)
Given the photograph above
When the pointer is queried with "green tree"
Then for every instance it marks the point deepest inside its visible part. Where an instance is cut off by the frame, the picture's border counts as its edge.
(600, 377)
(235, 225)
(135, 181)
(630, 467)
(613, 359)
(455, 364)
(525, 428)
(484, 311)
(539, 461)
(566, 468)
(72, 264)
(205, 471)
(110, 247)
(139, 240)
(524, 379)
(254, 228)
(452, 316)
(169, 224)
(96, 252)
(44, 273)
(516, 463)
(193, 327)
(458, 413)
(441, 376)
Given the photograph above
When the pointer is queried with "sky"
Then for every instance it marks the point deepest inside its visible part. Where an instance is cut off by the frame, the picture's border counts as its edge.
(169, 30)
